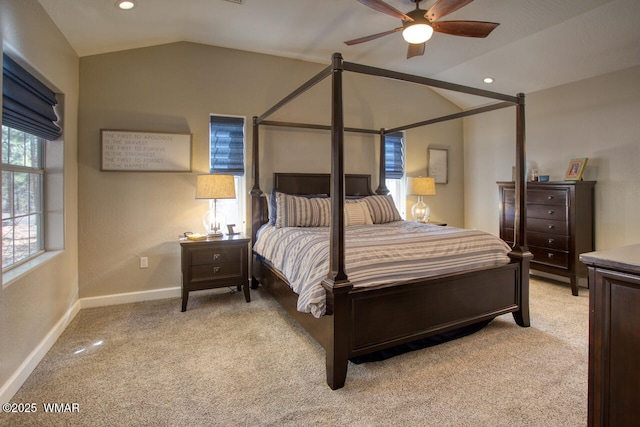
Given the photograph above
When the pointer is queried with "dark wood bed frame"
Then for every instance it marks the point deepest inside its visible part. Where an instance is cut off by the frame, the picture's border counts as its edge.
(363, 320)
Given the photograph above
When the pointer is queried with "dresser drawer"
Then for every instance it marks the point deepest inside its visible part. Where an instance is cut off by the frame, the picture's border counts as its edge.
(549, 241)
(550, 257)
(555, 212)
(557, 197)
(216, 255)
(538, 225)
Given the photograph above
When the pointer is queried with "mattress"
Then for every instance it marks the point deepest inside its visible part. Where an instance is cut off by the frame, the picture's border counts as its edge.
(375, 255)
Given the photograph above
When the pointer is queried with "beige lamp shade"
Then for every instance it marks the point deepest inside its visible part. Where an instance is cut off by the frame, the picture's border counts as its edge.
(421, 186)
(215, 186)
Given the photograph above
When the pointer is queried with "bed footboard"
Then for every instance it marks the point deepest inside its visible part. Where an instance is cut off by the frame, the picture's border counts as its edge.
(365, 320)
(396, 315)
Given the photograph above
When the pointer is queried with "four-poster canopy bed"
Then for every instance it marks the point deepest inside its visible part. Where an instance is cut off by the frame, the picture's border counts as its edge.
(361, 320)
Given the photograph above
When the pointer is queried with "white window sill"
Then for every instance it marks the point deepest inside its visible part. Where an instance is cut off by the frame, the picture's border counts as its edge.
(22, 270)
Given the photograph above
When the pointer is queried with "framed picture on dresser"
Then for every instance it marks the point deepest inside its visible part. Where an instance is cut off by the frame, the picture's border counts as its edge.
(575, 169)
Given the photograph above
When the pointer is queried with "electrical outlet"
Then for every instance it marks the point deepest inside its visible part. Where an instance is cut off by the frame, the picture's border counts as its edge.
(144, 262)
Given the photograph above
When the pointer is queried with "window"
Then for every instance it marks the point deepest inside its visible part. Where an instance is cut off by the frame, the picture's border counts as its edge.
(227, 157)
(29, 127)
(22, 212)
(394, 169)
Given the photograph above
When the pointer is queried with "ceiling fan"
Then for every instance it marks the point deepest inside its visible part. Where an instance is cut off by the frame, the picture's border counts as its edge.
(418, 25)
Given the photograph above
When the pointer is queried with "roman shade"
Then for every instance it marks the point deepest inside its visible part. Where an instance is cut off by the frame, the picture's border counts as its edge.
(27, 104)
(394, 162)
(227, 145)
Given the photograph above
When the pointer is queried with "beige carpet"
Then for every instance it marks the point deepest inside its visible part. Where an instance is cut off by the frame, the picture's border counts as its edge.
(228, 363)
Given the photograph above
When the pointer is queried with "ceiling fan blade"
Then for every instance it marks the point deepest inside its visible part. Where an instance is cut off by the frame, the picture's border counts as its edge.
(415, 50)
(381, 6)
(465, 28)
(444, 7)
(372, 37)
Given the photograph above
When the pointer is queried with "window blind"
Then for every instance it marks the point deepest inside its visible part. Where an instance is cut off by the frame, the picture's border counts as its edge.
(227, 145)
(27, 104)
(394, 160)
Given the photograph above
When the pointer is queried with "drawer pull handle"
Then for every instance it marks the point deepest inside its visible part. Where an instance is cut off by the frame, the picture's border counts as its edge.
(549, 197)
(550, 212)
(551, 241)
(549, 255)
(216, 269)
(216, 257)
(551, 226)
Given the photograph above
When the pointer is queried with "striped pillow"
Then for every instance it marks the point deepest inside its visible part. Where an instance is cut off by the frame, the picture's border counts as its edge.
(273, 206)
(296, 211)
(356, 212)
(382, 209)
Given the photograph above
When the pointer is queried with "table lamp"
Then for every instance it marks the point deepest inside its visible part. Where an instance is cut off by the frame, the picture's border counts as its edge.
(214, 186)
(421, 186)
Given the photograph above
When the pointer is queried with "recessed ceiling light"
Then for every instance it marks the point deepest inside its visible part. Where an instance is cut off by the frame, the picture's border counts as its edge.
(125, 4)
(488, 80)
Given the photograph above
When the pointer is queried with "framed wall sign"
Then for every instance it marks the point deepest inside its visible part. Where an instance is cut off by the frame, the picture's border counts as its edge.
(438, 164)
(137, 151)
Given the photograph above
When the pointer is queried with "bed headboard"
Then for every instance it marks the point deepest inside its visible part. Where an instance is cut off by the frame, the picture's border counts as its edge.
(320, 183)
(304, 183)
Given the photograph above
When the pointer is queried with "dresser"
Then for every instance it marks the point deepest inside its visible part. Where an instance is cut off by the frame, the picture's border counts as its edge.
(560, 225)
(215, 263)
(614, 336)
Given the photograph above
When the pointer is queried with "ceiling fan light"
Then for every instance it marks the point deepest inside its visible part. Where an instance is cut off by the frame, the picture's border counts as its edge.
(417, 33)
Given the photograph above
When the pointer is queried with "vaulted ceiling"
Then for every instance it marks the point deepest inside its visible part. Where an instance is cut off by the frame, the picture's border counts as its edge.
(539, 44)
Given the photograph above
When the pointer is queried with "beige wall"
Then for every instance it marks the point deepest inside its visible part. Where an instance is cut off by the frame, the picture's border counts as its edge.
(595, 118)
(174, 88)
(34, 303)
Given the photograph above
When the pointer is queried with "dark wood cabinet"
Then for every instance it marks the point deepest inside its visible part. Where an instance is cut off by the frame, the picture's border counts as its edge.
(614, 336)
(560, 225)
(215, 263)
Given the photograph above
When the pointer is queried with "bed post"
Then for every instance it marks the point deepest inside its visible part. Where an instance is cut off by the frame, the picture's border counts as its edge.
(382, 174)
(336, 284)
(520, 250)
(256, 193)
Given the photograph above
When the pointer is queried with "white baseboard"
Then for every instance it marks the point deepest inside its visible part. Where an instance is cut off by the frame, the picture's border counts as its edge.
(18, 378)
(13, 384)
(130, 297)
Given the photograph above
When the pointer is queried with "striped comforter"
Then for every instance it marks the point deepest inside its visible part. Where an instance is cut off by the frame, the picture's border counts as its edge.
(375, 254)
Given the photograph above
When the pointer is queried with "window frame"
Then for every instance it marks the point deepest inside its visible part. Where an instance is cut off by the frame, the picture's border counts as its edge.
(396, 186)
(233, 209)
(36, 169)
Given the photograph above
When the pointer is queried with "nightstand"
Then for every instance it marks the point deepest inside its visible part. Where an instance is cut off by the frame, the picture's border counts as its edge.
(215, 263)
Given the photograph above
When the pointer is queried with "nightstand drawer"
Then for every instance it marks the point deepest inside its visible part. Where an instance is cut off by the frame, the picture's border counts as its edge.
(550, 257)
(218, 271)
(221, 254)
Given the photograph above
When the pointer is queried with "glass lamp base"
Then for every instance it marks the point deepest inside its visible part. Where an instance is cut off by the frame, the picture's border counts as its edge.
(211, 222)
(420, 211)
